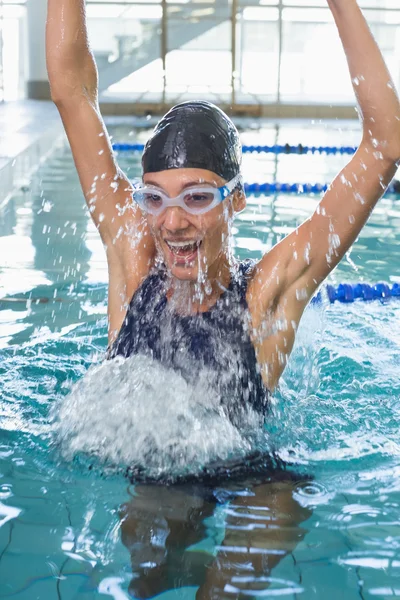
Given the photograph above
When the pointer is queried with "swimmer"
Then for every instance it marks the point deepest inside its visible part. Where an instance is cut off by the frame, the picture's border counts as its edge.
(167, 242)
(172, 231)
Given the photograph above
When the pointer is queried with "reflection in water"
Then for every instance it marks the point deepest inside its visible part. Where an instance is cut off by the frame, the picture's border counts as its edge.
(44, 237)
(7, 218)
(163, 527)
(59, 223)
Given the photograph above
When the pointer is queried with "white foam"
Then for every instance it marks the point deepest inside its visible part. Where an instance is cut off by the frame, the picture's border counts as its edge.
(134, 412)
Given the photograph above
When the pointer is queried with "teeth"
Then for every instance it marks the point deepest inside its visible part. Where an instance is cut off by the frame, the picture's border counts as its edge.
(181, 244)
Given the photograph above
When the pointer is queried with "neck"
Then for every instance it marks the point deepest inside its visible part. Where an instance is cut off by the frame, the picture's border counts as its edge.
(189, 297)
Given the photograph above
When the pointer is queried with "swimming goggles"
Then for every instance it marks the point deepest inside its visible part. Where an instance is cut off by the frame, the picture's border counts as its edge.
(196, 200)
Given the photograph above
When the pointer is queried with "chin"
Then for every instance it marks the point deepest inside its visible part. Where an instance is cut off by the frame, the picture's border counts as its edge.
(184, 273)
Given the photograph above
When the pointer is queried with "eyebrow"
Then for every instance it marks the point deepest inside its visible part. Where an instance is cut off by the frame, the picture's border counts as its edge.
(184, 187)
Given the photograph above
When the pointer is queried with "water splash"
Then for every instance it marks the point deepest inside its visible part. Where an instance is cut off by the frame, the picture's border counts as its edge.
(338, 401)
(134, 412)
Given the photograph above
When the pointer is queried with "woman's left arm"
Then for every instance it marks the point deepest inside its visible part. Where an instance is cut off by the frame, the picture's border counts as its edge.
(372, 83)
(305, 257)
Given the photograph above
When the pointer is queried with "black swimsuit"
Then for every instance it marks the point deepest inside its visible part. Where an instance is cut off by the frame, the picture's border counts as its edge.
(217, 340)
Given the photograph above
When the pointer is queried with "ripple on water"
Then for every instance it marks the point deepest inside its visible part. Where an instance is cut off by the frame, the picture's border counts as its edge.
(351, 409)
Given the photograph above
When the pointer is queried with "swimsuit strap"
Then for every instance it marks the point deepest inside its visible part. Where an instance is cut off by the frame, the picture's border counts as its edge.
(152, 290)
(240, 279)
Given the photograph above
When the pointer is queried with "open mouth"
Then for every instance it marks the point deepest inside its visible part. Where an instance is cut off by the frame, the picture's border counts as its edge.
(184, 251)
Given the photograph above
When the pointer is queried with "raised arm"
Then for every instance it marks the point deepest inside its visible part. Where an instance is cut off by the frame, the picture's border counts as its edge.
(308, 255)
(291, 272)
(73, 81)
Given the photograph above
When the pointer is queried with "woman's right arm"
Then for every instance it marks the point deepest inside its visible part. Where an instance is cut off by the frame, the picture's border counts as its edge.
(73, 80)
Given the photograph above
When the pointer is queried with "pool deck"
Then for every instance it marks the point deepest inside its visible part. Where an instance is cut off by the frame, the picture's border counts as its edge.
(28, 131)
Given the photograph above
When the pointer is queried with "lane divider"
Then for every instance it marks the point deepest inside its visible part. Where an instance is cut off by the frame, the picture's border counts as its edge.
(253, 149)
(349, 292)
(287, 188)
(301, 188)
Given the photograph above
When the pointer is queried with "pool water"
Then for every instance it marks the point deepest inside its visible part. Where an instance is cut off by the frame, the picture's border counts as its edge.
(71, 528)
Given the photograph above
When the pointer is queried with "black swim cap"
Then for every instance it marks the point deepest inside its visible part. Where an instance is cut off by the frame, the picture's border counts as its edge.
(194, 135)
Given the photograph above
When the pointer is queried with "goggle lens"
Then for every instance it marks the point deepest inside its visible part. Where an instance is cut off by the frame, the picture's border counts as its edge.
(151, 202)
(198, 200)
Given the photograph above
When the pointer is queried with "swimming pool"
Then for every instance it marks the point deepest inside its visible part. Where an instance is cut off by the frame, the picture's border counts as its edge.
(67, 531)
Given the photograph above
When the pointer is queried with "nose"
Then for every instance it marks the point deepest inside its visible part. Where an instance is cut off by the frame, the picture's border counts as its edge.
(175, 218)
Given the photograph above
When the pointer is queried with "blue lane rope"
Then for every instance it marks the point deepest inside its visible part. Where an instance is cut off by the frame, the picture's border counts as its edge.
(302, 188)
(276, 149)
(349, 292)
(287, 188)
(299, 149)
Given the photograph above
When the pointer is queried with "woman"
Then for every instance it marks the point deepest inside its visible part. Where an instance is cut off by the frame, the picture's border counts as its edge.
(172, 243)
(280, 285)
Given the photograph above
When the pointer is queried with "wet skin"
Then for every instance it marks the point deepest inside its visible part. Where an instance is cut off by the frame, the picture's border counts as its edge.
(211, 262)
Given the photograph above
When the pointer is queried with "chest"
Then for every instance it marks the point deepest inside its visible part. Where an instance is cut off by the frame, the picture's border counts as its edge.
(215, 344)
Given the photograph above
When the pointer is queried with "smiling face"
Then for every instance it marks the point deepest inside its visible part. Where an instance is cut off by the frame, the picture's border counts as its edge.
(190, 243)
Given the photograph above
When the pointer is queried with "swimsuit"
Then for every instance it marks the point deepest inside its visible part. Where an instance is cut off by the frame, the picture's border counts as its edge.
(216, 342)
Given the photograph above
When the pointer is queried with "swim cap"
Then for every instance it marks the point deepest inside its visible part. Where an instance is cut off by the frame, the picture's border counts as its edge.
(194, 135)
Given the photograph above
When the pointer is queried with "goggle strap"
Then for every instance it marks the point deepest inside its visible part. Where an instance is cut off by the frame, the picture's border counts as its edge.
(230, 186)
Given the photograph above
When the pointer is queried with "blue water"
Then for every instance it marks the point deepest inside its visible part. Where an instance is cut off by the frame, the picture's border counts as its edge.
(71, 531)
